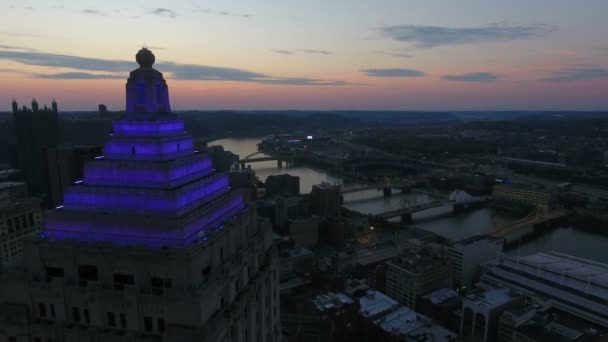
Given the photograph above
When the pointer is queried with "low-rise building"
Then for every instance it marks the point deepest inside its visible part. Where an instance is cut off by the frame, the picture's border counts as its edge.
(536, 323)
(481, 311)
(574, 285)
(414, 274)
(443, 306)
(515, 196)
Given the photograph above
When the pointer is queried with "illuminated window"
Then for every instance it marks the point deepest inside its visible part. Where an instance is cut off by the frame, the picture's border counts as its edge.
(141, 94)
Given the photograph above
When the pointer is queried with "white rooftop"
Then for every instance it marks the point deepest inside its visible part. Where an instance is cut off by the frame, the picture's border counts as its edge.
(374, 303)
(492, 298)
(441, 295)
(405, 321)
(566, 270)
(331, 300)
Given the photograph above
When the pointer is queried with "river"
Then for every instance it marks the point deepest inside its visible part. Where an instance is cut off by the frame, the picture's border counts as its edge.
(437, 220)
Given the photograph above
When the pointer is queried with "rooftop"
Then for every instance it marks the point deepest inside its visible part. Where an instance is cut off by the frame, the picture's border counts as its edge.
(374, 303)
(441, 295)
(6, 185)
(567, 270)
(372, 255)
(423, 261)
(405, 321)
(557, 325)
(332, 300)
(491, 298)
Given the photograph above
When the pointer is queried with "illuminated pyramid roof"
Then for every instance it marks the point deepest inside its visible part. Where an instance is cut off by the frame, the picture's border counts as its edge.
(151, 187)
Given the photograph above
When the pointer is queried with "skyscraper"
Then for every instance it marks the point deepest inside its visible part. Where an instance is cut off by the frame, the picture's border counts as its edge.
(36, 129)
(152, 245)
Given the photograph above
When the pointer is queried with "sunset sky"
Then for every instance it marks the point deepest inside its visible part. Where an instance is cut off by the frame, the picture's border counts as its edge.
(330, 54)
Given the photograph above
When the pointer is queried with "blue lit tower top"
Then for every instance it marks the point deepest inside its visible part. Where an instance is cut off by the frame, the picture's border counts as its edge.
(151, 187)
(147, 90)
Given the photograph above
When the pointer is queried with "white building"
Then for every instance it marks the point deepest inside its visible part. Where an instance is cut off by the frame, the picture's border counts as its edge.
(152, 245)
(575, 285)
(481, 311)
(466, 256)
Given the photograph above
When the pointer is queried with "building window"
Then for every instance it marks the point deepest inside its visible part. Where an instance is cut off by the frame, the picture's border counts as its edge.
(120, 280)
(123, 321)
(87, 273)
(52, 307)
(159, 97)
(111, 319)
(141, 94)
(42, 309)
(148, 323)
(161, 325)
(158, 284)
(54, 272)
(76, 314)
(87, 317)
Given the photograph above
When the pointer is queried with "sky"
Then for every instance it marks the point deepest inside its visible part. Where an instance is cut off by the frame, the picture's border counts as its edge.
(309, 55)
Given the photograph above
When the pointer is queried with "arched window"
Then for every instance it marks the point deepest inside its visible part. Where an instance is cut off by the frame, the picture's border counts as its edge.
(480, 325)
(133, 150)
(467, 323)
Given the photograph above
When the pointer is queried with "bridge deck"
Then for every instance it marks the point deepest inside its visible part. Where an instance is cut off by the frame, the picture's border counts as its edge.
(377, 186)
(258, 159)
(410, 210)
(503, 231)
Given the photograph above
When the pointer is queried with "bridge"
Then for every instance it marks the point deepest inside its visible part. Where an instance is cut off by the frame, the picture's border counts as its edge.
(405, 213)
(525, 225)
(386, 186)
(459, 199)
(251, 158)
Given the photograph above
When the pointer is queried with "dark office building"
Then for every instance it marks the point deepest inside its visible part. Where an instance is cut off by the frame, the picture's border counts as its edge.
(36, 130)
(65, 166)
(282, 185)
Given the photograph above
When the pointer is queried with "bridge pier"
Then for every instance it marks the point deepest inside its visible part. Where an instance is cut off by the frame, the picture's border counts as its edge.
(407, 218)
(387, 192)
(279, 164)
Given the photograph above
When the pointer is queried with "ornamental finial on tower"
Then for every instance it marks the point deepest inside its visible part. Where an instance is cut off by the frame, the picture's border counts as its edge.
(145, 58)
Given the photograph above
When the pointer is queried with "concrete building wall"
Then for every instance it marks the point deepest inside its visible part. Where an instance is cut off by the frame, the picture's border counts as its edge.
(465, 257)
(305, 232)
(18, 220)
(223, 289)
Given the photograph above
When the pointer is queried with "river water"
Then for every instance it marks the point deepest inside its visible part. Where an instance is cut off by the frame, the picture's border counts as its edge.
(437, 220)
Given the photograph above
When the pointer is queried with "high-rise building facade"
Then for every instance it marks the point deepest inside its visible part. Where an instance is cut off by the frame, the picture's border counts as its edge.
(20, 216)
(152, 245)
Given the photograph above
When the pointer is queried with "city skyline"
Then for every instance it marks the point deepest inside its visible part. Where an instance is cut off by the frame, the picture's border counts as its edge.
(392, 55)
